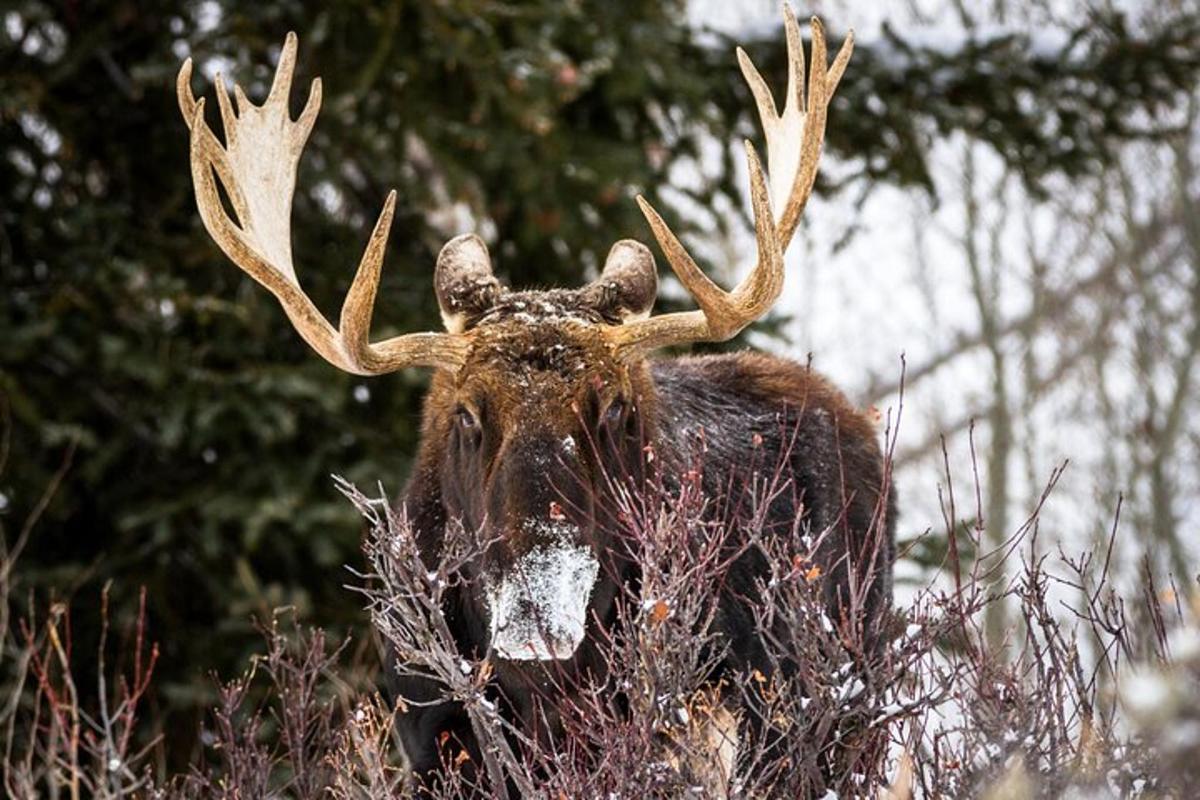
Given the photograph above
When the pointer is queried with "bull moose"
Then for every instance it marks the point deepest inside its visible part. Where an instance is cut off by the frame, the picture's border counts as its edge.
(523, 379)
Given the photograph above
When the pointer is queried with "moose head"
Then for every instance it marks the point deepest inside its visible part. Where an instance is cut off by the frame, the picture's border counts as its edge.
(535, 393)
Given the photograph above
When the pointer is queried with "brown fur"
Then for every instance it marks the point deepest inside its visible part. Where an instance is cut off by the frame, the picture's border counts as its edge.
(541, 373)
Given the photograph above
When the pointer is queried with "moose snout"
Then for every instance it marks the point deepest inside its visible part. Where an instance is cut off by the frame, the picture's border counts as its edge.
(538, 601)
(541, 567)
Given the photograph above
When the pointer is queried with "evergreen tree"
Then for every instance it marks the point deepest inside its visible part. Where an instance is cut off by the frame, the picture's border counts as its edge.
(204, 432)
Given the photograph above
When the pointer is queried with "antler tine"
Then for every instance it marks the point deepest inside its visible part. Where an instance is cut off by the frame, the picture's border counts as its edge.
(794, 137)
(281, 83)
(722, 314)
(183, 92)
(759, 290)
(840, 62)
(430, 349)
(795, 51)
(707, 294)
(257, 168)
(359, 304)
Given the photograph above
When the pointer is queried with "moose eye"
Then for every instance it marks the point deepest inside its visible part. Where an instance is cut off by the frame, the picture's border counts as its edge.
(466, 420)
(613, 414)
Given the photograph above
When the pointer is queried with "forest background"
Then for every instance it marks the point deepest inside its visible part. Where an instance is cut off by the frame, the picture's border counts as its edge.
(1008, 206)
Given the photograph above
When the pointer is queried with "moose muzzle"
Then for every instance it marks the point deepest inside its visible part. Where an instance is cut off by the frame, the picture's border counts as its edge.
(539, 605)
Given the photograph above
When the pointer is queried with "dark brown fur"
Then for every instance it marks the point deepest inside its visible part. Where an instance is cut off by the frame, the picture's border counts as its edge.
(541, 373)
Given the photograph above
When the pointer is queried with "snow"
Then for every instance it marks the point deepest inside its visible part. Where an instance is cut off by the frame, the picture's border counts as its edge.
(1146, 693)
(1182, 737)
(948, 42)
(13, 26)
(900, 285)
(538, 608)
(874, 28)
(1184, 645)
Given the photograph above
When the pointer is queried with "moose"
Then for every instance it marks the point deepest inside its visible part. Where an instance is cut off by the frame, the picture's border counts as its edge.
(528, 386)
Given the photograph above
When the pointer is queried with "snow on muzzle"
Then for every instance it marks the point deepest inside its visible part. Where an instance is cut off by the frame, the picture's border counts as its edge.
(539, 606)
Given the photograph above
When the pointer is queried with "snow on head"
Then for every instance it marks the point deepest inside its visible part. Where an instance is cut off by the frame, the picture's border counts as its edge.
(538, 608)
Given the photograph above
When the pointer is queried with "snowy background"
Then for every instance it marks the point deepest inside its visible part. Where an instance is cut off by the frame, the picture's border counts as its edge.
(1069, 320)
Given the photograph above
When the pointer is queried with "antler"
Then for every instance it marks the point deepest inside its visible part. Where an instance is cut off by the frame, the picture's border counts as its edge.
(257, 168)
(793, 151)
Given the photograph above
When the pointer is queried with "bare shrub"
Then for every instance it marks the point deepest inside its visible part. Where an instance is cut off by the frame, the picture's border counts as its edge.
(929, 708)
(290, 727)
(56, 744)
(1095, 693)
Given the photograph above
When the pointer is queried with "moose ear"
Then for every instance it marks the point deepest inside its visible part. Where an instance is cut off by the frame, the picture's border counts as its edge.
(628, 285)
(463, 281)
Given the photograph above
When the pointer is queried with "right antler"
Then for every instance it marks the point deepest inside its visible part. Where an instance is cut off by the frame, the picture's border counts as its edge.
(793, 151)
(257, 168)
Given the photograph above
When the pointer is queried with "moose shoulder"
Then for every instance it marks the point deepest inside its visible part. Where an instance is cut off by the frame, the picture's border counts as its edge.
(539, 397)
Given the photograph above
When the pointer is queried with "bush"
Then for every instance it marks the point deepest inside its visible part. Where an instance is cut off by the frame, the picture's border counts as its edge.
(1095, 693)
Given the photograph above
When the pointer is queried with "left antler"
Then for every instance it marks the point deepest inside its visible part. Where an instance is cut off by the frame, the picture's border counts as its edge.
(257, 168)
(794, 141)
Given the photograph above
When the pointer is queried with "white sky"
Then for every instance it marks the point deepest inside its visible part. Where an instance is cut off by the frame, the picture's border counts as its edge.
(859, 308)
